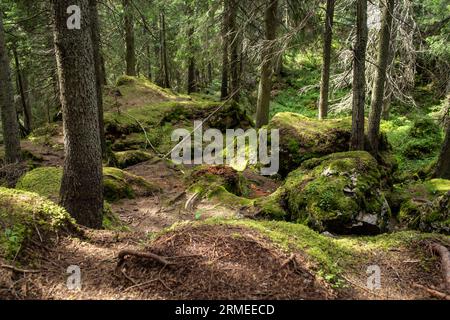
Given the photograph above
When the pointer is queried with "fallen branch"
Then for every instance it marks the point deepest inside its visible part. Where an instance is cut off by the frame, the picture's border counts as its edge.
(12, 268)
(146, 255)
(434, 293)
(445, 262)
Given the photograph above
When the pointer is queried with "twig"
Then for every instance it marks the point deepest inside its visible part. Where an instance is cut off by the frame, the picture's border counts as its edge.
(146, 255)
(9, 267)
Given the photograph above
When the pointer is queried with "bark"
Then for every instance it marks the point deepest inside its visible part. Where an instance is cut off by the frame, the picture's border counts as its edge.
(99, 78)
(265, 83)
(325, 82)
(11, 136)
(163, 51)
(378, 90)
(225, 42)
(191, 77)
(130, 58)
(23, 95)
(149, 62)
(82, 186)
(359, 79)
(443, 165)
(234, 56)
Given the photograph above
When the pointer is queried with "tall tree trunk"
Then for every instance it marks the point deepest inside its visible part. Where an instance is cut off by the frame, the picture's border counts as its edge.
(225, 43)
(378, 90)
(359, 79)
(191, 78)
(325, 82)
(82, 182)
(163, 51)
(130, 58)
(443, 165)
(23, 95)
(149, 61)
(265, 83)
(95, 33)
(234, 56)
(11, 136)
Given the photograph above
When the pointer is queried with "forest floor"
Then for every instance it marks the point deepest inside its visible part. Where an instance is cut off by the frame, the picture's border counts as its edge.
(208, 260)
(212, 250)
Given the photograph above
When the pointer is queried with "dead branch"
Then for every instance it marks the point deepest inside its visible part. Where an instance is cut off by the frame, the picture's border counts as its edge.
(434, 293)
(12, 268)
(146, 255)
(445, 261)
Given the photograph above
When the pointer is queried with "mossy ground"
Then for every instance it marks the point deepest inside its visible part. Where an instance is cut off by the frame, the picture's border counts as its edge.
(25, 215)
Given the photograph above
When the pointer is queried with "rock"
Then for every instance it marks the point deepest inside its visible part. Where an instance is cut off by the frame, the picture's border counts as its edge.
(349, 201)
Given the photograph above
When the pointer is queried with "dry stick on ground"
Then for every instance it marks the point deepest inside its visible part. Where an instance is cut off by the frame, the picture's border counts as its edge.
(146, 255)
(434, 293)
(445, 262)
(12, 268)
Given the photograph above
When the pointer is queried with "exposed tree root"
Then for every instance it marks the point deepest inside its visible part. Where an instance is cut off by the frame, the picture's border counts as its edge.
(433, 292)
(146, 255)
(12, 268)
(445, 262)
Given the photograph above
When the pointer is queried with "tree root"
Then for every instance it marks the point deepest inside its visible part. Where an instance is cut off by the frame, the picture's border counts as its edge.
(445, 262)
(433, 292)
(12, 268)
(146, 255)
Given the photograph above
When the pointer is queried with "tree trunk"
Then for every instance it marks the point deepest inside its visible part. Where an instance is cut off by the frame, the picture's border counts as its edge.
(163, 51)
(265, 83)
(325, 82)
(130, 58)
(82, 182)
(11, 136)
(378, 90)
(191, 78)
(443, 165)
(234, 56)
(23, 95)
(225, 41)
(95, 33)
(359, 79)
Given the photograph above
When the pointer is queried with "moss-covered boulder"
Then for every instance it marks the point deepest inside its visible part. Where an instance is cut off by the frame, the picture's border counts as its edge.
(222, 183)
(117, 184)
(339, 193)
(303, 138)
(129, 158)
(24, 216)
(425, 206)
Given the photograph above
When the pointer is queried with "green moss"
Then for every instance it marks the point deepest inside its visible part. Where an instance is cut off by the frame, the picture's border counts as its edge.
(117, 184)
(22, 214)
(111, 221)
(330, 257)
(44, 181)
(338, 192)
(131, 157)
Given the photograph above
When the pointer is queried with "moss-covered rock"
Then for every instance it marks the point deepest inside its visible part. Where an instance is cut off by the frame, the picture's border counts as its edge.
(117, 184)
(131, 157)
(426, 206)
(222, 183)
(339, 193)
(25, 215)
(303, 138)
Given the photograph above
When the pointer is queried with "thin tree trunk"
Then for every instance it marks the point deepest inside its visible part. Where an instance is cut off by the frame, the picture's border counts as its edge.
(191, 78)
(225, 42)
(380, 77)
(325, 82)
(265, 83)
(95, 33)
(23, 96)
(443, 165)
(149, 62)
(11, 136)
(82, 182)
(163, 48)
(234, 56)
(130, 58)
(359, 79)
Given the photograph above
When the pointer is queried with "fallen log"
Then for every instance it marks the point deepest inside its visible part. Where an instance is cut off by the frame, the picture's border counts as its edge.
(146, 255)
